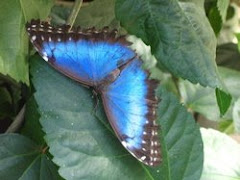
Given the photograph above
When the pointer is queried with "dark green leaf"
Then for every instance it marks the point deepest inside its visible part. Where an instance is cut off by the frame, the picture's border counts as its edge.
(215, 20)
(179, 34)
(84, 145)
(14, 42)
(223, 100)
(5, 103)
(32, 127)
(230, 12)
(20, 158)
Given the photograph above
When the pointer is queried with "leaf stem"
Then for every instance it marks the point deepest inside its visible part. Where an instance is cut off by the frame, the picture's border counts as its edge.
(74, 13)
(17, 121)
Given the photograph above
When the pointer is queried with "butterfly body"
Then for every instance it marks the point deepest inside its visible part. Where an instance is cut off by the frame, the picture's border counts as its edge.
(103, 60)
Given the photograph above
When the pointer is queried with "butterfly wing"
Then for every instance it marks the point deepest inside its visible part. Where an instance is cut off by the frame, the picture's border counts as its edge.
(130, 105)
(87, 56)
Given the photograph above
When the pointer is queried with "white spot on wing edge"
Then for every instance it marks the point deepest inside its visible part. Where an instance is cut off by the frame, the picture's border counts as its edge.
(143, 158)
(34, 38)
(124, 143)
(45, 58)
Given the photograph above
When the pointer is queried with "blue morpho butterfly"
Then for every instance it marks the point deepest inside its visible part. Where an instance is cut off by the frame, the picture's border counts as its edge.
(103, 60)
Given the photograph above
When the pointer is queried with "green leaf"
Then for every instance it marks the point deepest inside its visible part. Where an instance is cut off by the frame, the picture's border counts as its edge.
(10, 95)
(21, 158)
(226, 126)
(98, 13)
(14, 42)
(179, 34)
(215, 20)
(5, 103)
(221, 156)
(223, 100)
(236, 115)
(222, 6)
(32, 128)
(238, 38)
(83, 143)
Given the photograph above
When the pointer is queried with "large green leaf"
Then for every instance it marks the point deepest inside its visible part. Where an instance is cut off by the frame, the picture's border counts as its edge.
(179, 34)
(221, 156)
(84, 145)
(14, 42)
(21, 158)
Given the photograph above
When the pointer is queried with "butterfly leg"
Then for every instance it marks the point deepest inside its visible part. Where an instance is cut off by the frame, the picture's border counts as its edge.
(95, 96)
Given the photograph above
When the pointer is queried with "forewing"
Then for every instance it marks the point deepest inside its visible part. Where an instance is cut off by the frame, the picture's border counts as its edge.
(87, 56)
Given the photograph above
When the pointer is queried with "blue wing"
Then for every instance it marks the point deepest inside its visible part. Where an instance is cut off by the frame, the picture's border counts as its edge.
(91, 57)
(87, 57)
(130, 106)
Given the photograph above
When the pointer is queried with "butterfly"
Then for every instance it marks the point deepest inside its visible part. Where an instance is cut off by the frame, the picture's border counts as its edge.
(103, 60)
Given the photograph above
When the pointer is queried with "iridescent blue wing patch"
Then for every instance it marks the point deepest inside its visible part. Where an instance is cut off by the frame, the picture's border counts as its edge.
(87, 56)
(103, 60)
(130, 105)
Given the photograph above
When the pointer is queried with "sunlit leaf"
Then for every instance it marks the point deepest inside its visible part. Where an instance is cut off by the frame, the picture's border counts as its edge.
(221, 156)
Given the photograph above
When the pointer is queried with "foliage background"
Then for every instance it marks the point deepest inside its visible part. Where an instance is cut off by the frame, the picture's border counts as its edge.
(50, 129)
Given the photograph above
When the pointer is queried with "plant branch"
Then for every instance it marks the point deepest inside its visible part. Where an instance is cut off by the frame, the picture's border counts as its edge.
(17, 121)
(74, 13)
